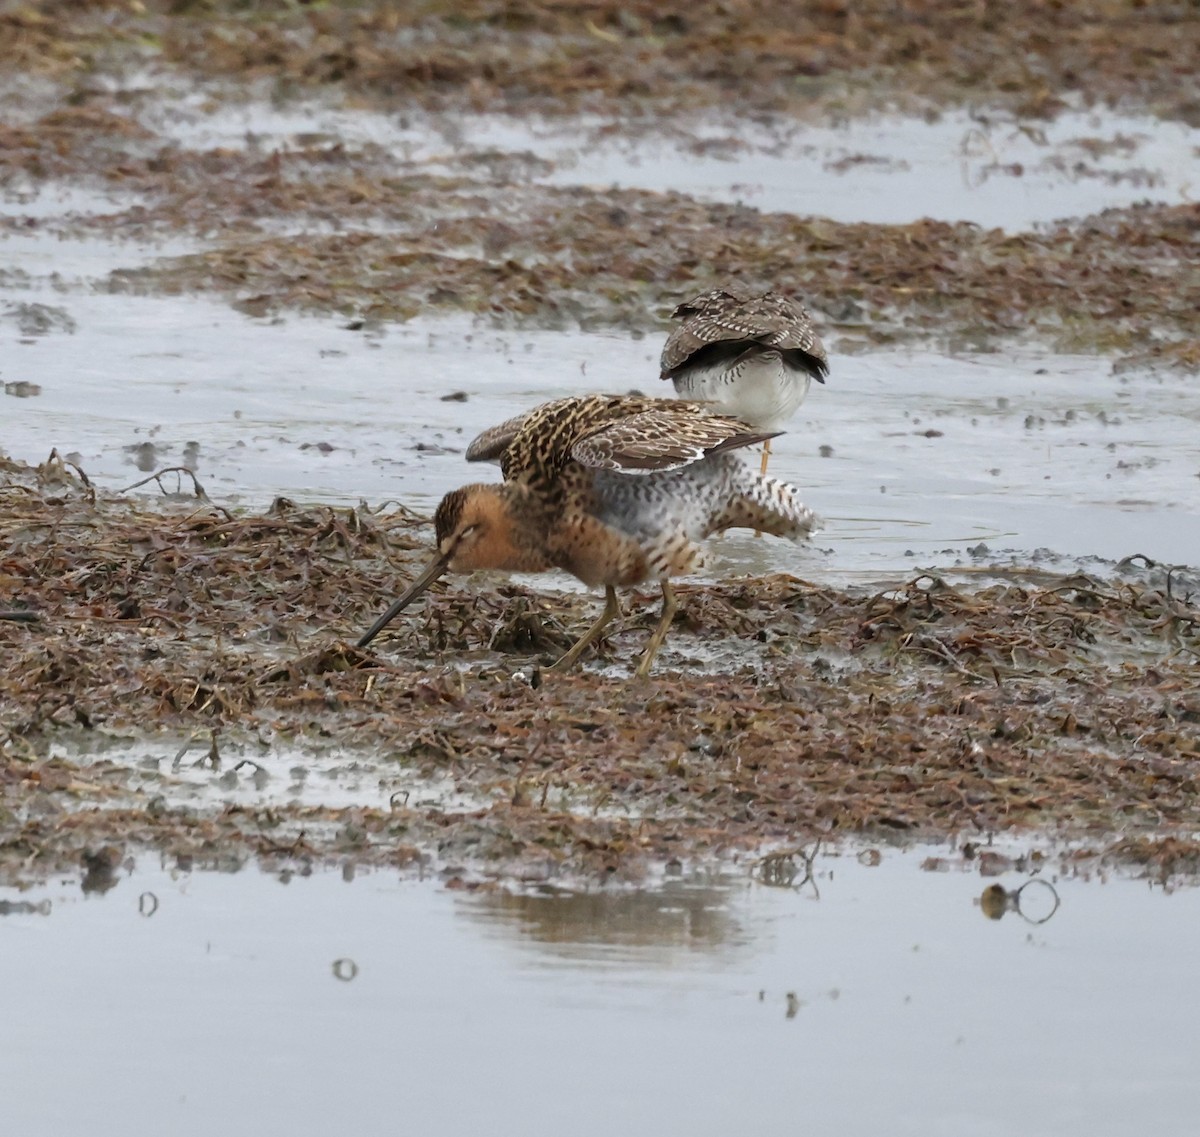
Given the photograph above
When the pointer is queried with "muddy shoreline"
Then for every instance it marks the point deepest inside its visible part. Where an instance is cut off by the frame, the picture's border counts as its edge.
(375, 238)
(1066, 708)
(1058, 707)
(108, 95)
(637, 56)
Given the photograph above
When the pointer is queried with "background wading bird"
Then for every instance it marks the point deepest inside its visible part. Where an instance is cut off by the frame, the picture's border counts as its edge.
(615, 490)
(754, 355)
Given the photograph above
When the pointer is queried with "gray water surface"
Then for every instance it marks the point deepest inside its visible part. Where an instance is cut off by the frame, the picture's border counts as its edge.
(912, 458)
(869, 1000)
(984, 166)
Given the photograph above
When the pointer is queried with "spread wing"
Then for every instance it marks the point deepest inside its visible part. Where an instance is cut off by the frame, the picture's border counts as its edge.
(491, 444)
(664, 438)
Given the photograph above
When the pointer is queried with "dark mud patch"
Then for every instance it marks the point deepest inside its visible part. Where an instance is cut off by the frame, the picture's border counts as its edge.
(923, 710)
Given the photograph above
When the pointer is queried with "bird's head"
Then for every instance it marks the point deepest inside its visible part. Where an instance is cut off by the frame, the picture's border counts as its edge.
(477, 527)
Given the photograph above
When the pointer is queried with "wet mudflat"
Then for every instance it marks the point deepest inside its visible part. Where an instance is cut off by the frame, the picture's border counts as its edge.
(363, 230)
(871, 996)
(912, 458)
(633, 58)
(783, 709)
(297, 256)
(319, 299)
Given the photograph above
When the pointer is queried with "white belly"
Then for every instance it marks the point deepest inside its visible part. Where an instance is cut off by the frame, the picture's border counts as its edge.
(760, 389)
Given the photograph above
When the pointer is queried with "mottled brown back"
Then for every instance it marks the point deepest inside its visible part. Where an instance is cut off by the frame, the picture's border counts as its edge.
(633, 434)
(720, 317)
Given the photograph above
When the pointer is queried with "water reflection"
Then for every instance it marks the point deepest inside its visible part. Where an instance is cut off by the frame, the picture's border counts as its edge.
(686, 1007)
(703, 912)
(793, 868)
(1036, 901)
(100, 870)
(695, 914)
(25, 908)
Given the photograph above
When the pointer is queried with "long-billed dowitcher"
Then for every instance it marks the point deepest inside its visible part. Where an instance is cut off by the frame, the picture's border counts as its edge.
(614, 489)
(756, 356)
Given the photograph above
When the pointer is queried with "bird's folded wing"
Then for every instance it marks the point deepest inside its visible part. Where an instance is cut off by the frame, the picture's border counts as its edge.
(771, 320)
(699, 332)
(662, 439)
(491, 444)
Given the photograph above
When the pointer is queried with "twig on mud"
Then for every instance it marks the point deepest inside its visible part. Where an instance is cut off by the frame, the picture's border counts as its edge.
(157, 477)
(932, 646)
(23, 750)
(21, 616)
(213, 756)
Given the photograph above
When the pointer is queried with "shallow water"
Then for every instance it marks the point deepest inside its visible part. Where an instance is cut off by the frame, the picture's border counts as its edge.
(912, 458)
(927, 456)
(985, 167)
(871, 1000)
(183, 774)
(994, 172)
(981, 166)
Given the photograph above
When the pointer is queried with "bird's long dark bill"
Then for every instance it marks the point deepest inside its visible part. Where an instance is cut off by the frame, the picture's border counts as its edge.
(431, 573)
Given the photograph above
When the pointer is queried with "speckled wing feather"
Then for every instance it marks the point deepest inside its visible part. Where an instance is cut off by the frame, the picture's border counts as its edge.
(542, 445)
(491, 444)
(769, 320)
(663, 438)
(714, 299)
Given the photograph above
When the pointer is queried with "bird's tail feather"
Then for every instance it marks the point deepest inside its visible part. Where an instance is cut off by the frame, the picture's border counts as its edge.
(769, 506)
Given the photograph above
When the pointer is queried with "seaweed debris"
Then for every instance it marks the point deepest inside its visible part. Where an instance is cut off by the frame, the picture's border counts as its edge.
(925, 710)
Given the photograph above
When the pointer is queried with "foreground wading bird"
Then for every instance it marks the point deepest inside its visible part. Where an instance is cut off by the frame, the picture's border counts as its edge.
(756, 356)
(614, 489)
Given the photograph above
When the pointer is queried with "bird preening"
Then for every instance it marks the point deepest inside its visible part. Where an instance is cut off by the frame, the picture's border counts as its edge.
(622, 489)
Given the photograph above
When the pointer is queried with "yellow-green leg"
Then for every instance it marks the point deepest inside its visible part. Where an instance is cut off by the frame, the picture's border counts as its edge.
(763, 470)
(611, 609)
(660, 633)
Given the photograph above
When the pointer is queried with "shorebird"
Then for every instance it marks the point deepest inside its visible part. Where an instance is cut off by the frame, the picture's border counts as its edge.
(755, 356)
(614, 489)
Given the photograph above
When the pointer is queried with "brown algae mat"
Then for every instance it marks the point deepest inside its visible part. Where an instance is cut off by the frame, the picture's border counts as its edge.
(635, 56)
(489, 242)
(324, 226)
(1067, 710)
(1062, 709)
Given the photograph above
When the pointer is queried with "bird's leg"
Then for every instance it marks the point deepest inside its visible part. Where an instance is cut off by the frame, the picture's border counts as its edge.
(611, 609)
(660, 633)
(763, 471)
